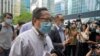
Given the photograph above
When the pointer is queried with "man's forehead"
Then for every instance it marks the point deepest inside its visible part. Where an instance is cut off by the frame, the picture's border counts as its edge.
(45, 12)
(8, 15)
(60, 16)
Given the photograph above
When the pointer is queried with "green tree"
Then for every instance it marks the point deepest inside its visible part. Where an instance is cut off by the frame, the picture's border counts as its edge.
(24, 17)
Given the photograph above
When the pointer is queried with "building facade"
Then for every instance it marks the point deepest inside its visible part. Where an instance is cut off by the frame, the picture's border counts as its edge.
(17, 7)
(49, 4)
(34, 4)
(66, 6)
(6, 6)
(73, 8)
(54, 6)
(25, 6)
(59, 8)
(87, 9)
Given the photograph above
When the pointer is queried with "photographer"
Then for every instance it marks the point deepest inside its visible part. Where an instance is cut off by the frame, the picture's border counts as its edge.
(93, 27)
(98, 32)
(82, 38)
(71, 40)
(94, 36)
(94, 51)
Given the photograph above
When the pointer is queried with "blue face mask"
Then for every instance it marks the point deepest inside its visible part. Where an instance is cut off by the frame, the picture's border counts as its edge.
(45, 27)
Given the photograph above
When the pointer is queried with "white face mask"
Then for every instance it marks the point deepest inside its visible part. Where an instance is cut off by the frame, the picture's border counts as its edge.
(61, 25)
(8, 21)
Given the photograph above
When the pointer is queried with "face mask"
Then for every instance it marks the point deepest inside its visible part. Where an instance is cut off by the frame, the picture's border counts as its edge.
(61, 25)
(98, 31)
(45, 27)
(8, 21)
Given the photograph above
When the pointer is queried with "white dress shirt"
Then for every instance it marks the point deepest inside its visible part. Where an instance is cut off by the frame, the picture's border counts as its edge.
(26, 27)
(30, 43)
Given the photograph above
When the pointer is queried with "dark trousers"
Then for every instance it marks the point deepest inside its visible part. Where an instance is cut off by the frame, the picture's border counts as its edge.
(82, 49)
(5, 52)
(70, 50)
(60, 53)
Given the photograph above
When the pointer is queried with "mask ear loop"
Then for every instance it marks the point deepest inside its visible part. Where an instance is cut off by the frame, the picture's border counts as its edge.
(40, 33)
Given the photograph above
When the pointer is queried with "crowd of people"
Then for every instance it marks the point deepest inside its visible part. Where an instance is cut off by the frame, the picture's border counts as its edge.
(48, 36)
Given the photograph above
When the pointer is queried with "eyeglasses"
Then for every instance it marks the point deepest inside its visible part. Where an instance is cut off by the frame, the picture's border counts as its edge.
(46, 19)
(62, 20)
(8, 17)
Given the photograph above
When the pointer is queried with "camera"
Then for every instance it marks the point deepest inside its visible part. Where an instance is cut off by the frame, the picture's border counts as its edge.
(95, 46)
(78, 20)
(98, 23)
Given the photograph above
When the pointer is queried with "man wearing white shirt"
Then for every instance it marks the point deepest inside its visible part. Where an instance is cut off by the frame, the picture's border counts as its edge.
(26, 27)
(34, 42)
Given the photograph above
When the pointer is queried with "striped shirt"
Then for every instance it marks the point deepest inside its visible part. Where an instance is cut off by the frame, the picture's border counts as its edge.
(30, 43)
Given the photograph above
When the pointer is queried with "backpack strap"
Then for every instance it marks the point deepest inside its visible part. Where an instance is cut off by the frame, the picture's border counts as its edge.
(0, 27)
(12, 28)
(13, 32)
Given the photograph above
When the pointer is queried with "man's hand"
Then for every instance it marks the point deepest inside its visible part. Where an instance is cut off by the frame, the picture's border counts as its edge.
(65, 43)
(53, 54)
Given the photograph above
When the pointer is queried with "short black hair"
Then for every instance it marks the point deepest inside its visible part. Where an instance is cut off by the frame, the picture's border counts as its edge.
(20, 23)
(5, 14)
(37, 12)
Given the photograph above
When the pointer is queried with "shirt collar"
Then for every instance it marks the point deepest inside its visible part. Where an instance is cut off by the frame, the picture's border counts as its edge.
(41, 37)
(38, 32)
(35, 30)
(56, 26)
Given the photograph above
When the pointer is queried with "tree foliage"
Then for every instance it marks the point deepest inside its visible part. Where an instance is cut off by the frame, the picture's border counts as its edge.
(24, 17)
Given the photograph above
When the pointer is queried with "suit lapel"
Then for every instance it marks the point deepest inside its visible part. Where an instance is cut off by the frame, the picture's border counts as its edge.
(58, 35)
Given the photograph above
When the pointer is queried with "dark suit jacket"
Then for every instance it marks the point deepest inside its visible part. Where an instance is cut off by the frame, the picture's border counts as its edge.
(56, 40)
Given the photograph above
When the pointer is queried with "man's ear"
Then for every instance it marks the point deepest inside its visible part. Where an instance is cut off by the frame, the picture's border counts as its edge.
(55, 20)
(33, 21)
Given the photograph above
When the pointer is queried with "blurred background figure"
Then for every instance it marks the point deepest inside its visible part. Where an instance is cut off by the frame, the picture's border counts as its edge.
(94, 51)
(7, 34)
(93, 34)
(83, 37)
(19, 25)
(98, 32)
(71, 34)
(57, 34)
(25, 27)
